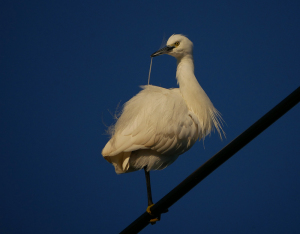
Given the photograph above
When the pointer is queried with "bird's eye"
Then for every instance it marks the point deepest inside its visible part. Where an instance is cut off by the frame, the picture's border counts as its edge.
(177, 43)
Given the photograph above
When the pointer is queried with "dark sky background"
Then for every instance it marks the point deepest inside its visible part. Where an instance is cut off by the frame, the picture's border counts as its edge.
(67, 65)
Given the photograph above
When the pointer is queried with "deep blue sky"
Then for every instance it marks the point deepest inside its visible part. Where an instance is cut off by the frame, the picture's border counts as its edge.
(66, 65)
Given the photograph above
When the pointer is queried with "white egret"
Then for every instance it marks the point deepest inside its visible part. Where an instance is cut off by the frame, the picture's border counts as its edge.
(157, 125)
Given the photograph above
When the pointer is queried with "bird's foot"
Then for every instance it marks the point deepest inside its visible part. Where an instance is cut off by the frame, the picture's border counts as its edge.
(153, 220)
(148, 209)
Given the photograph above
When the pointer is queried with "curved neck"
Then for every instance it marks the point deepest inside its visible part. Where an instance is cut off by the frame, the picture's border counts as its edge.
(186, 79)
(194, 96)
(185, 66)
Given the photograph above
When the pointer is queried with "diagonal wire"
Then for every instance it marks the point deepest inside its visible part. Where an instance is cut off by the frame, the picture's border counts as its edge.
(218, 159)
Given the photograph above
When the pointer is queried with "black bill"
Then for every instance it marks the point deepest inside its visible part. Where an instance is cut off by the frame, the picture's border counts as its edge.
(164, 50)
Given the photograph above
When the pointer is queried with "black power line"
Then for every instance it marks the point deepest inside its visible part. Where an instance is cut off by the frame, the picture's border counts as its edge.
(218, 159)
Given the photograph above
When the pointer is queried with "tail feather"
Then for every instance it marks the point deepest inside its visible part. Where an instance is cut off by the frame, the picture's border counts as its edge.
(119, 161)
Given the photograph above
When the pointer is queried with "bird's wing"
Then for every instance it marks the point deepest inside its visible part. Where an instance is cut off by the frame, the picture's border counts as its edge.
(157, 119)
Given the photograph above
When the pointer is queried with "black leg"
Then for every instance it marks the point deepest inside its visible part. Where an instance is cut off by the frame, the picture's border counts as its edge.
(150, 202)
(147, 175)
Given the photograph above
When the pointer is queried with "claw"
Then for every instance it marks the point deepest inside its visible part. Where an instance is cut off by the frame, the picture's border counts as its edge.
(154, 220)
(148, 209)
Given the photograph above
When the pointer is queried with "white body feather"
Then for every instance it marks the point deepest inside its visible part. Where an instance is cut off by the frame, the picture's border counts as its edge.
(158, 124)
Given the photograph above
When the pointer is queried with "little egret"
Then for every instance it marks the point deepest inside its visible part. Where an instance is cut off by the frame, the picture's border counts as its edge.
(157, 125)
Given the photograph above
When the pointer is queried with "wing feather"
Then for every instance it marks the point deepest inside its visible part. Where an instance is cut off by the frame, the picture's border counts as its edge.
(156, 119)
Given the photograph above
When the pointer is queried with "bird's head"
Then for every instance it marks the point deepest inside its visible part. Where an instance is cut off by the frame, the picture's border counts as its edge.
(177, 46)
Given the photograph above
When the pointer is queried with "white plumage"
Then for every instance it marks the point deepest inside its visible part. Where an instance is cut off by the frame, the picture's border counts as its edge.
(157, 125)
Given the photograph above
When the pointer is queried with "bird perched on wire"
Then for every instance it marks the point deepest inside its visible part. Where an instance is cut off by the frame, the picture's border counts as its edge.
(157, 125)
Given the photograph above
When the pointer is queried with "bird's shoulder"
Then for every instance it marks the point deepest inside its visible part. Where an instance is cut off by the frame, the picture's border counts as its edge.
(154, 104)
(153, 90)
(155, 96)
